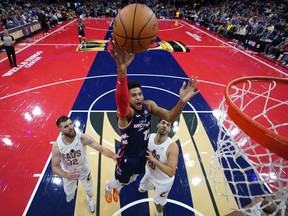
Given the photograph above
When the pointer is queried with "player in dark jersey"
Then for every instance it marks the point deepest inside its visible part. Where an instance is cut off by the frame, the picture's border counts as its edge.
(81, 33)
(134, 116)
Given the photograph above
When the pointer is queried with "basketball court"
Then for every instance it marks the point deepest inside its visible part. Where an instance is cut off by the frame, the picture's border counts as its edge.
(55, 77)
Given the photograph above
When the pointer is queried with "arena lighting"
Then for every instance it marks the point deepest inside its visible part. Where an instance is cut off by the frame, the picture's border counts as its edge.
(7, 141)
(56, 180)
(196, 181)
(188, 161)
(175, 126)
(28, 117)
(77, 125)
(37, 111)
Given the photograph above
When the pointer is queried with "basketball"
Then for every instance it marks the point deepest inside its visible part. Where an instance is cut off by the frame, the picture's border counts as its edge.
(135, 28)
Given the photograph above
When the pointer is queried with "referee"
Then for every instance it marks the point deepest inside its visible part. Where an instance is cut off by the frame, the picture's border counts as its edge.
(8, 42)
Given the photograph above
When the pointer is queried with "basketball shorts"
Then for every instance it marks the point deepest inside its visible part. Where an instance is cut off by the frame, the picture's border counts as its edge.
(161, 191)
(71, 185)
(128, 166)
(81, 33)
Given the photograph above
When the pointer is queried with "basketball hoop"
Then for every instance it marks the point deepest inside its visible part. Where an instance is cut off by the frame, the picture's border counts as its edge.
(252, 146)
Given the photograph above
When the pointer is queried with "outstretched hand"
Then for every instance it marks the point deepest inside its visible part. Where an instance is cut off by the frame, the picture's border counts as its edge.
(115, 157)
(189, 90)
(150, 156)
(121, 57)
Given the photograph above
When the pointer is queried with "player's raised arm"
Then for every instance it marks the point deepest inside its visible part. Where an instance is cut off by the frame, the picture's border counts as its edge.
(122, 96)
(88, 140)
(186, 92)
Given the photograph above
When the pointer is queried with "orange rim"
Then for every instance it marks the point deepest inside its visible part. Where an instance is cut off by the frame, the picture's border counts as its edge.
(267, 138)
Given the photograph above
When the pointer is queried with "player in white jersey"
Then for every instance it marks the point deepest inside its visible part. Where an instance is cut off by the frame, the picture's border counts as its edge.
(69, 159)
(162, 155)
(264, 206)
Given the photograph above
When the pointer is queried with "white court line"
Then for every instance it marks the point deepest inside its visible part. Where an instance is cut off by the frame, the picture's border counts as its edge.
(37, 185)
(101, 76)
(38, 44)
(30, 44)
(229, 45)
(151, 200)
(98, 29)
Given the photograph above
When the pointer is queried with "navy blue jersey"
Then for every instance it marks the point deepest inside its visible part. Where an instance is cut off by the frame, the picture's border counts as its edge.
(134, 138)
(134, 143)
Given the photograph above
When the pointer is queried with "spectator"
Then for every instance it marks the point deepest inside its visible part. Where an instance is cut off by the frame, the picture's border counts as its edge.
(276, 40)
(275, 51)
(240, 33)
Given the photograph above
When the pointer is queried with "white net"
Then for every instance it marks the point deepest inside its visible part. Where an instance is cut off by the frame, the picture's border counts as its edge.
(251, 170)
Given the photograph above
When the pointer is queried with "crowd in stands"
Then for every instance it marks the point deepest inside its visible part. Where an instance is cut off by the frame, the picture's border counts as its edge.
(238, 20)
(17, 13)
(266, 20)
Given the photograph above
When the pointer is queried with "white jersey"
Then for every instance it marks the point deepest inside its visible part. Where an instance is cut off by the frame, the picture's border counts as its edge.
(74, 156)
(159, 152)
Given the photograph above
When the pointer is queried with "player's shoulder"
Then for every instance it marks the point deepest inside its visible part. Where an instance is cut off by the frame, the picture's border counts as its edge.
(82, 135)
(85, 139)
(150, 104)
(55, 146)
(172, 145)
(147, 102)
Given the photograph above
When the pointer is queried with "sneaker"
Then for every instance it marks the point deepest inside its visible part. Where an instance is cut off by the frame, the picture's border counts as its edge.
(91, 205)
(115, 195)
(108, 194)
(141, 190)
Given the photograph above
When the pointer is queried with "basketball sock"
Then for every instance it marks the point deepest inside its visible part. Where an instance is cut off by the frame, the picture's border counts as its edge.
(89, 193)
(113, 183)
(89, 198)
